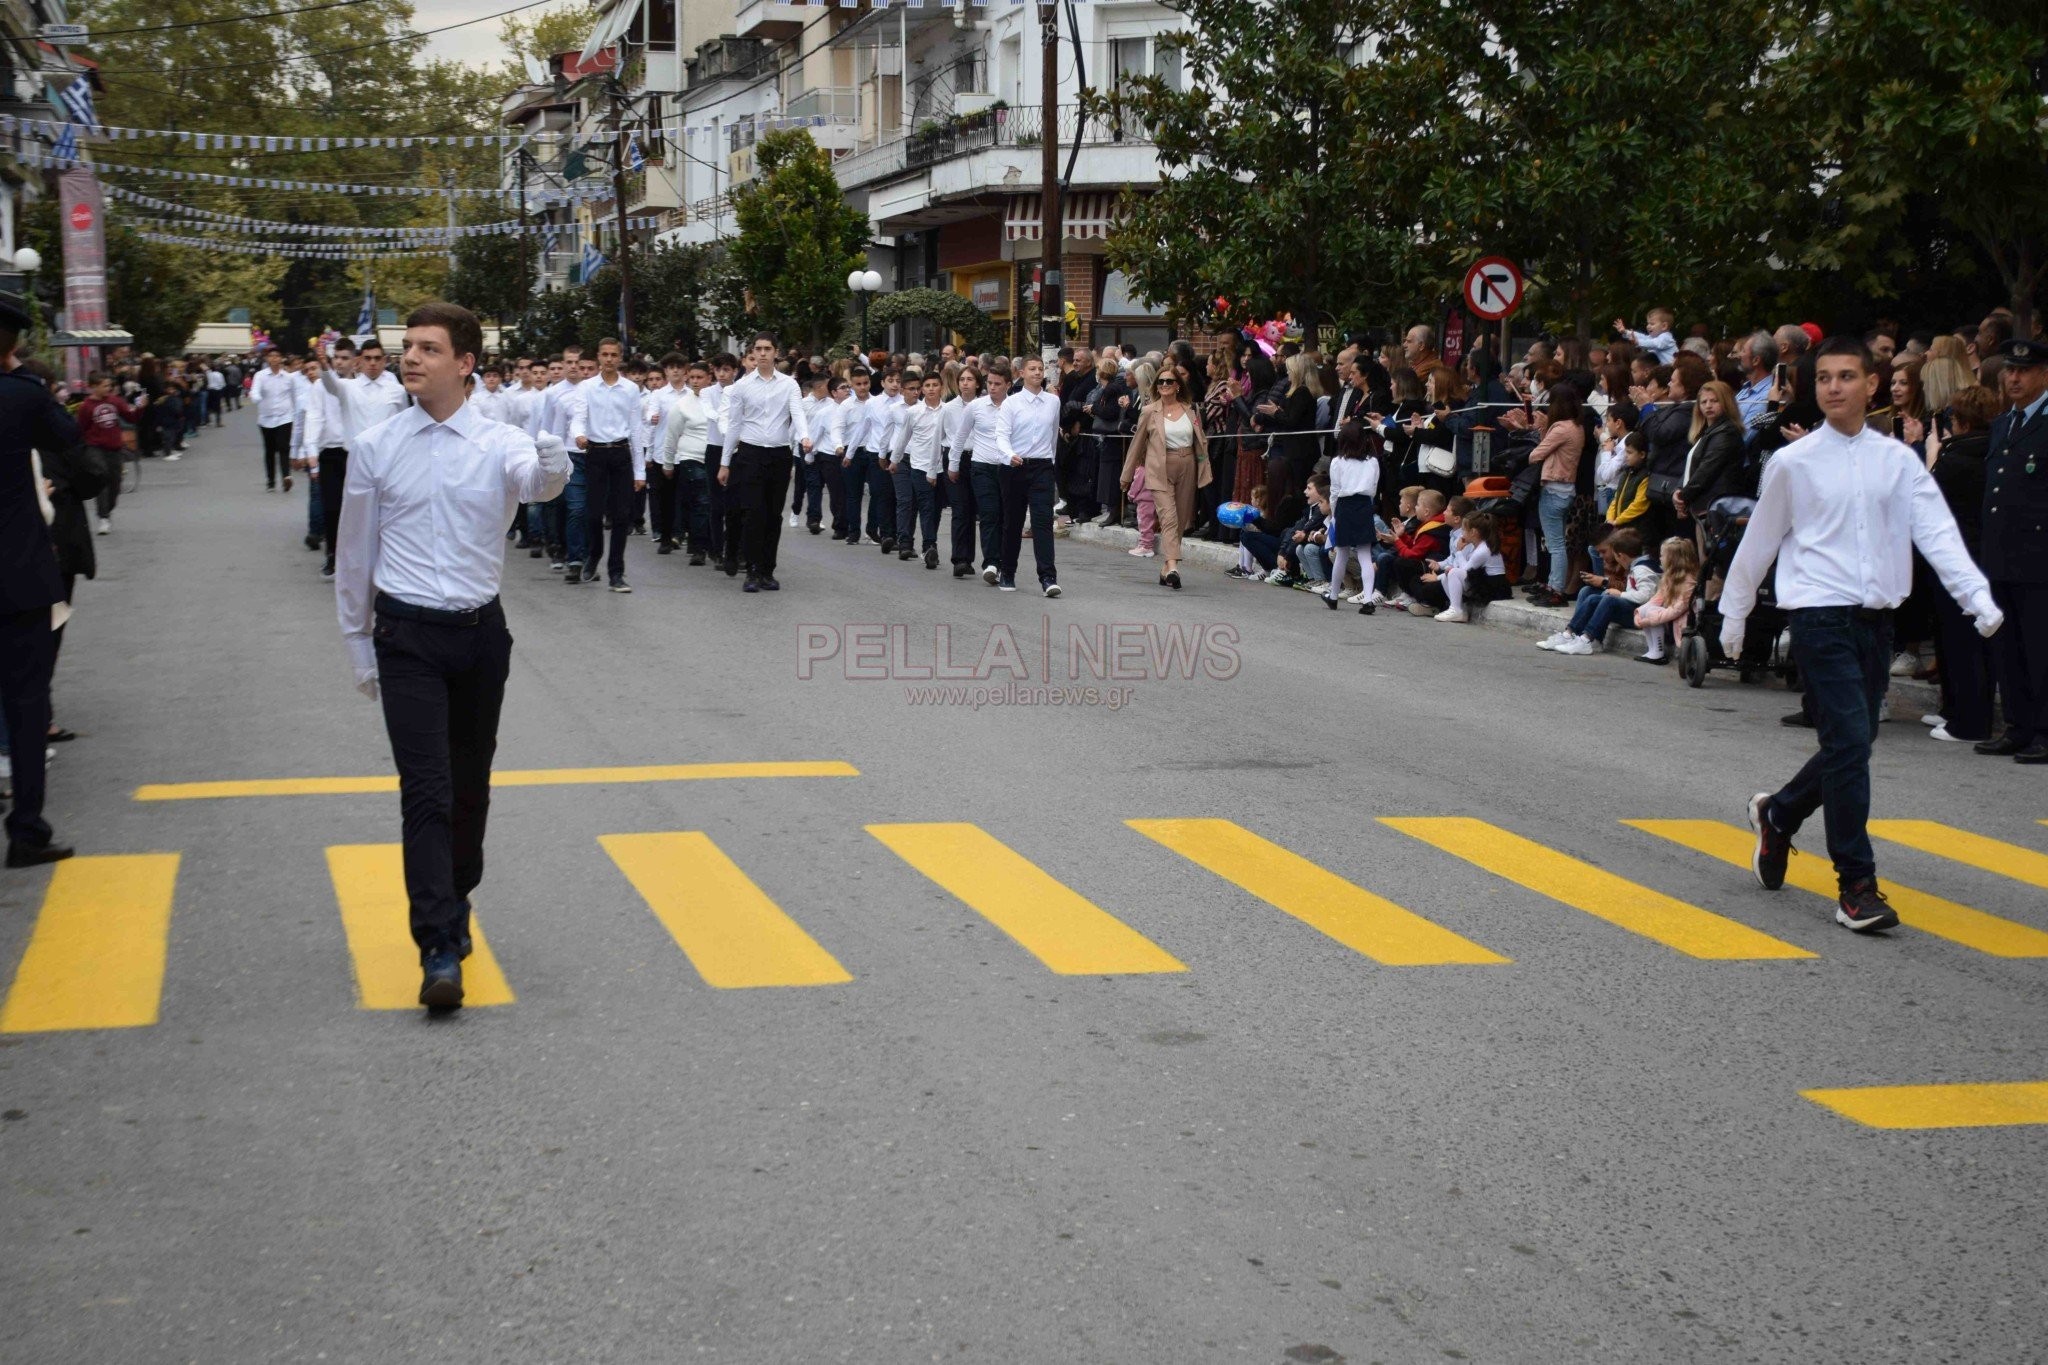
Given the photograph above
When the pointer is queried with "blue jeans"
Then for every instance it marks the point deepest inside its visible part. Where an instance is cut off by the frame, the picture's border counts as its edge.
(1556, 500)
(1844, 655)
(1595, 611)
(1315, 564)
(316, 511)
(858, 476)
(917, 506)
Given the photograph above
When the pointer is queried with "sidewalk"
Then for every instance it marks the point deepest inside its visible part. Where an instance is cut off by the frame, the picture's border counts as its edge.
(1517, 615)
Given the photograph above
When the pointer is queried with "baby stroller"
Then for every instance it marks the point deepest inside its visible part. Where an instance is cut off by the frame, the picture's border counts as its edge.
(1764, 649)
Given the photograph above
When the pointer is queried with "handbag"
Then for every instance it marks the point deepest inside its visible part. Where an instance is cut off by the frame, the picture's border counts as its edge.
(1436, 460)
(1664, 487)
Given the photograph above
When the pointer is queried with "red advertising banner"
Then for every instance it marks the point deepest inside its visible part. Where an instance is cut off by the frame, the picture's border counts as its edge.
(83, 210)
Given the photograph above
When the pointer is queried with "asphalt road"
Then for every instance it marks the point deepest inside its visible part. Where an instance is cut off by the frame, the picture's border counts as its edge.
(1596, 1150)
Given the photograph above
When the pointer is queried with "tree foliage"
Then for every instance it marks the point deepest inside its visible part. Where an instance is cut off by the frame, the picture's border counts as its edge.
(797, 241)
(978, 331)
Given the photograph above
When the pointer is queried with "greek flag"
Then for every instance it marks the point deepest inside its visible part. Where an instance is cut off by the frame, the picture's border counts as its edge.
(634, 159)
(366, 321)
(77, 101)
(593, 261)
(64, 152)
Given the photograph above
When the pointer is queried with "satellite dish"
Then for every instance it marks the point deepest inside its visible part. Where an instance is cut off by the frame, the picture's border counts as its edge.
(536, 71)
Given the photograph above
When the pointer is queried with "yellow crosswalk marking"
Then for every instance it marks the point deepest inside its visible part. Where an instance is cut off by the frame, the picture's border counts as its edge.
(1060, 928)
(96, 958)
(510, 777)
(1997, 1105)
(1946, 841)
(1930, 914)
(1638, 909)
(369, 884)
(731, 932)
(1361, 921)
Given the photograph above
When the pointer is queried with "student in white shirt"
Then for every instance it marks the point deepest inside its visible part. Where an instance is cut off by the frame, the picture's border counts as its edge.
(984, 465)
(1841, 510)
(807, 493)
(919, 459)
(958, 485)
(308, 398)
(685, 445)
(721, 512)
(1027, 437)
(422, 550)
(604, 411)
(857, 463)
(886, 411)
(275, 390)
(764, 417)
(657, 467)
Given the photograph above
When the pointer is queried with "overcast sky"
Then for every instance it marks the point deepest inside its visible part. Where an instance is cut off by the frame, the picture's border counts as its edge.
(475, 45)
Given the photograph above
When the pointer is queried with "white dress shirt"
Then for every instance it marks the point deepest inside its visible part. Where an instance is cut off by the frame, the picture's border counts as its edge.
(424, 514)
(554, 409)
(954, 427)
(276, 396)
(982, 415)
(1842, 515)
(853, 424)
(308, 401)
(603, 413)
(685, 428)
(360, 403)
(1029, 425)
(919, 438)
(884, 420)
(713, 399)
(491, 403)
(764, 412)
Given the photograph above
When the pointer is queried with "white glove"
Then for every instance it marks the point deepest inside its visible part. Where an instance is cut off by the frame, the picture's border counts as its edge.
(1989, 619)
(554, 457)
(367, 685)
(1732, 630)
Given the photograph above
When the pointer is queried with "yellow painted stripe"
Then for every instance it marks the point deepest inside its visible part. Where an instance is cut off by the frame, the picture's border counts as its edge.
(1930, 914)
(369, 882)
(1062, 929)
(1355, 917)
(1946, 841)
(514, 777)
(1996, 1105)
(731, 932)
(96, 958)
(1638, 909)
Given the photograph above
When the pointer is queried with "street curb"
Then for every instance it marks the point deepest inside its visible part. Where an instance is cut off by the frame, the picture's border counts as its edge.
(1514, 615)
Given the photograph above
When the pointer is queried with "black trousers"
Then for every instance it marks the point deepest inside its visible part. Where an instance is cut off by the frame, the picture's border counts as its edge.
(28, 656)
(1027, 487)
(277, 452)
(988, 509)
(960, 505)
(1964, 658)
(607, 493)
(442, 688)
(333, 482)
(2021, 648)
(715, 499)
(661, 502)
(760, 480)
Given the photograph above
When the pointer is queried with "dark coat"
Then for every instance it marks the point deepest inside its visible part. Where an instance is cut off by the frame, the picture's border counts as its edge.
(76, 474)
(1716, 467)
(2015, 542)
(1959, 474)
(29, 417)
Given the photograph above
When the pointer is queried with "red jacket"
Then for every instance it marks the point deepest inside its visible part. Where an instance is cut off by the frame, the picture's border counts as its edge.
(99, 419)
(1431, 540)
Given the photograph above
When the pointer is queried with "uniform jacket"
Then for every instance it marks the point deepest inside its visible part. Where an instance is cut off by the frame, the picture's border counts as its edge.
(2015, 543)
(29, 417)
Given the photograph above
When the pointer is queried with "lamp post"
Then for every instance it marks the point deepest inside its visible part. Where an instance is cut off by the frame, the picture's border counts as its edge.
(28, 261)
(865, 283)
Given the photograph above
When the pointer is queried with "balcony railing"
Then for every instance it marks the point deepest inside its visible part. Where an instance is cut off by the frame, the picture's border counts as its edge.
(936, 140)
(833, 103)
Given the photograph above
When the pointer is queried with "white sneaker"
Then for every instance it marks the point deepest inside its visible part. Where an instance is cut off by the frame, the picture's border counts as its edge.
(1358, 599)
(1903, 665)
(1555, 640)
(1941, 732)
(1577, 644)
(105, 526)
(1455, 615)
(1140, 552)
(1399, 601)
(1932, 719)
(1277, 576)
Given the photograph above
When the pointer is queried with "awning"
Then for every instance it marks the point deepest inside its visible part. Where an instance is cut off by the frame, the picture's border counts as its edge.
(1086, 215)
(611, 26)
(92, 336)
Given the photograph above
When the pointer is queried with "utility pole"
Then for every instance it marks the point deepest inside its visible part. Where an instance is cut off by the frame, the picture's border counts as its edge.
(525, 238)
(1051, 309)
(619, 105)
(448, 188)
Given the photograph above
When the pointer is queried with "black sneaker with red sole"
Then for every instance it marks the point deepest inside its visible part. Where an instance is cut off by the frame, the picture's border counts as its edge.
(1773, 849)
(1862, 907)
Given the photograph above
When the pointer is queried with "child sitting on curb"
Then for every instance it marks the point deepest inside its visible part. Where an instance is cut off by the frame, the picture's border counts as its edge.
(1672, 601)
(1599, 607)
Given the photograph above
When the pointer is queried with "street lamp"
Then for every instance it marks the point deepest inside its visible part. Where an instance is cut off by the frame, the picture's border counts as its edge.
(865, 283)
(28, 261)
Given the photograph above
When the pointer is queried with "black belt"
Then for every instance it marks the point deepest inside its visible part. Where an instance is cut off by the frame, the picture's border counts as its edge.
(607, 445)
(433, 616)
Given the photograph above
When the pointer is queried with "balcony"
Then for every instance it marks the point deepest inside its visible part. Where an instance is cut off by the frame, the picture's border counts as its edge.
(772, 19)
(937, 140)
(835, 104)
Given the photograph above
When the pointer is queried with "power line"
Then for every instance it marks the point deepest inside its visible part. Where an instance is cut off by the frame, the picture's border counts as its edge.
(100, 33)
(406, 37)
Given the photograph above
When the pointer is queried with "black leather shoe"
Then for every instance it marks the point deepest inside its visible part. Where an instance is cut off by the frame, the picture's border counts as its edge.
(768, 584)
(20, 854)
(697, 558)
(816, 528)
(2037, 752)
(888, 545)
(731, 567)
(441, 979)
(962, 570)
(931, 556)
(752, 584)
(907, 554)
(2000, 746)
(1797, 718)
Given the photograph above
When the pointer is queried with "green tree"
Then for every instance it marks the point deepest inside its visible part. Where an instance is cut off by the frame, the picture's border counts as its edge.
(797, 241)
(542, 35)
(494, 274)
(1936, 102)
(1280, 188)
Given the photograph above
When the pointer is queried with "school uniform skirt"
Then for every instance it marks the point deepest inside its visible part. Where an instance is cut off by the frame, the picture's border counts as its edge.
(1351, 522)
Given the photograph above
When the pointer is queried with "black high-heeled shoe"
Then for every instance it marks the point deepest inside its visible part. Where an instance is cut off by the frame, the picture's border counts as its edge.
(1173, 580)
(1162, 578)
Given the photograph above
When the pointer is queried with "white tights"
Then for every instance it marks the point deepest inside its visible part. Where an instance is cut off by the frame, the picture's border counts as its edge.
(1454, 585)
(1341, 555)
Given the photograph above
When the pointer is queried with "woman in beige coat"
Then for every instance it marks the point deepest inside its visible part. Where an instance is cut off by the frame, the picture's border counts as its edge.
(1170, 444)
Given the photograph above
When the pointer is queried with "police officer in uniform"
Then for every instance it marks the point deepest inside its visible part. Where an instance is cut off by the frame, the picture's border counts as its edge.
(30, 586)
(2015, 551)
